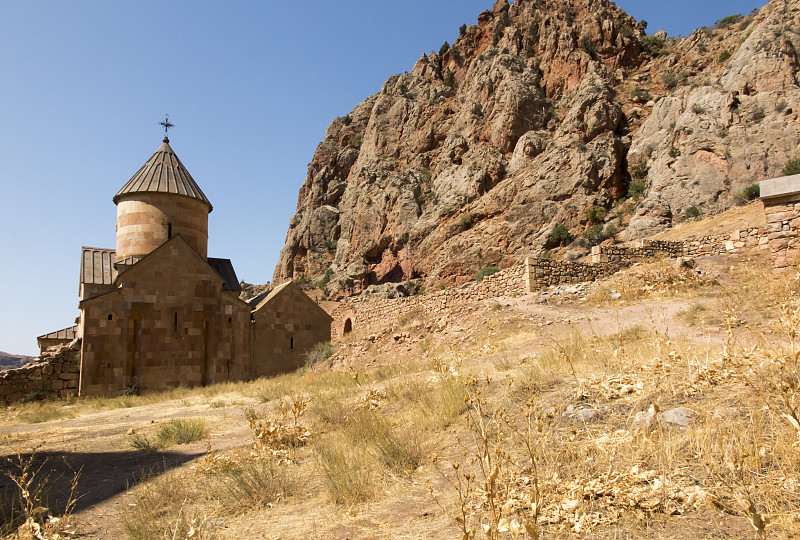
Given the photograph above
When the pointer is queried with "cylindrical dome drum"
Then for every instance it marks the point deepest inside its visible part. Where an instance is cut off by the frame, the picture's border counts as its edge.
(159, 202)
(147, 220)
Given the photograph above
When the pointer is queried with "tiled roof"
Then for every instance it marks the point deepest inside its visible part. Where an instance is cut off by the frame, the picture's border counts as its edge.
(163, 173)
(67, 334)
(97, 266)
(224, 267)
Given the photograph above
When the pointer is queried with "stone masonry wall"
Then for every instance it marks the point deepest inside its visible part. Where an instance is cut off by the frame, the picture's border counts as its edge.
(646, 250)
(541, 273)
(53, 375)
(783, 232)
(363, 312)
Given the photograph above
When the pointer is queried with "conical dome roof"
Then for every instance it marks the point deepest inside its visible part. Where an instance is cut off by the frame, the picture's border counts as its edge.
(163, 173)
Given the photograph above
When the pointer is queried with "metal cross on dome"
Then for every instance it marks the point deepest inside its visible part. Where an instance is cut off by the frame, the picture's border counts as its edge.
(166, 125)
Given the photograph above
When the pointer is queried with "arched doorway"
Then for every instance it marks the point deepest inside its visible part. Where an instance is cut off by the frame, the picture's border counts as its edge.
(348, 326)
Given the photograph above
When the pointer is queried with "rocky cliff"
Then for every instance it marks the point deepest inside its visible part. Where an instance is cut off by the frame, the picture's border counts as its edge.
(542, 110)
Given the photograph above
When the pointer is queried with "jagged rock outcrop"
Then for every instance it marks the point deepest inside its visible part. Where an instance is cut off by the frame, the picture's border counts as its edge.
(533, 115)
(702, 144)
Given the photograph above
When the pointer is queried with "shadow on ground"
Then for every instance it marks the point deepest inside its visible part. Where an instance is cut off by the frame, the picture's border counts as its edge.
(101, 475)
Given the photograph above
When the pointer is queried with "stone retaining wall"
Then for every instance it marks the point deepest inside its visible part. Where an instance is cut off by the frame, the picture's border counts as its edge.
(53, 375)
(646, 250)
(363, 312)
(541, 273)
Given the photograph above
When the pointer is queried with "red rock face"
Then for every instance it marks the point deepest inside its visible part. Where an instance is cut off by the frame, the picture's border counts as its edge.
(529, 119)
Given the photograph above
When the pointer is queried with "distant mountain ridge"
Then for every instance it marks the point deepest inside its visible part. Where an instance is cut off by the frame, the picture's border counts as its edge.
(546, 113)
(11, 361)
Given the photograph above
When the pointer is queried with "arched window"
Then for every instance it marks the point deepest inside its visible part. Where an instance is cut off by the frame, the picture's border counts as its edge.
(348, 326)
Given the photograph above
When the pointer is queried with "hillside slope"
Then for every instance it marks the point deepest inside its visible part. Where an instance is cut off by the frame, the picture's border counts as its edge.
(10, 361)
(540, 111)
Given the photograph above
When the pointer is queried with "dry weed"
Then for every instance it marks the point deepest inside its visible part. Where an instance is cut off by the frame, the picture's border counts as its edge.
(26, 511)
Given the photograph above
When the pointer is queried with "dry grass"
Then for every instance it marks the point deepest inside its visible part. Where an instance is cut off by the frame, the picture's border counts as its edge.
(734, 219)
(571, 441)
(25, 510)
(653, 281)
(177, 431)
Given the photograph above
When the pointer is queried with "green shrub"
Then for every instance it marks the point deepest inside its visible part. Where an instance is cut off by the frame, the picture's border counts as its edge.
(593, 236)
(611, 230)
(486, 271)
(356, 142)
(533, 30)
(652, 45)
(791, 167)
(444, 48)
(627, 32)
(596, 214)
(319, 353)
(462, 29)
(145, 444)
(683, 76)
(301, 281)
(455, 54)
(182, 431)
(725, 22)
(450, 79)
(640, 94)
(670, 80)
(330, 245)
(693, 212)
(636, 189)
(750, 193)
(640, 169)
(723, 56)
(178, 431)
(560, 235)
(465, 221)
(325, 279)
(588, 46)
(502, 23)
(347, 120)
(570, 19)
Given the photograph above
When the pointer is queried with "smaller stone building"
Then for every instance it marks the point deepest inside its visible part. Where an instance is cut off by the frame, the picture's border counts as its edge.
(283, 329)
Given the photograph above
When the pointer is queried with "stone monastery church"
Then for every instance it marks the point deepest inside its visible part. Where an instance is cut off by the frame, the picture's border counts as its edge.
(157, 312)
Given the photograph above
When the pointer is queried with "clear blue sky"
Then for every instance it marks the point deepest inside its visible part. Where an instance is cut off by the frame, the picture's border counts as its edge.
(250, 86)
